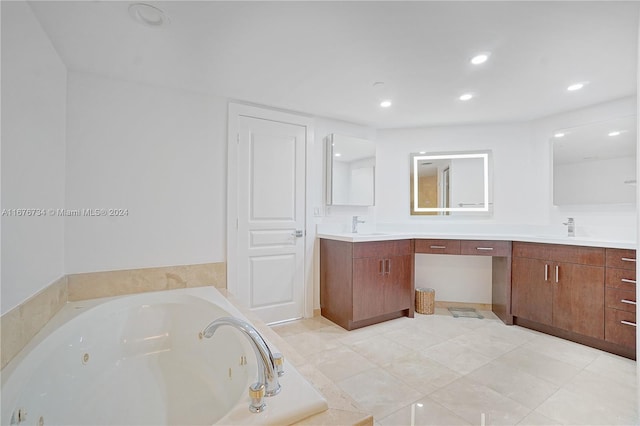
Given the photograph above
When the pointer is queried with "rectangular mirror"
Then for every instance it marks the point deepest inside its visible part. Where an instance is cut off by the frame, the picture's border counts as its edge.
(595, 163)
(350, 171)
(450, 183)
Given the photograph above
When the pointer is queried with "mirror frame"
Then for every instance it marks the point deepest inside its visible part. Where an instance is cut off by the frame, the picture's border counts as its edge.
(485, 156)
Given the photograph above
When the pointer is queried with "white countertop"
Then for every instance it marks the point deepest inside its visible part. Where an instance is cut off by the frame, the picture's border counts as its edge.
(549, 239)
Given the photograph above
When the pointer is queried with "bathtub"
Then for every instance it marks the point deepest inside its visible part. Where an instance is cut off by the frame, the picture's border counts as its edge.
(139, 360)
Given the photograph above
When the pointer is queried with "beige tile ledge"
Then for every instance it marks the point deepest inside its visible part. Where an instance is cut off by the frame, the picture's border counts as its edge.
(342, 409)
(93, 285)
(22, 323)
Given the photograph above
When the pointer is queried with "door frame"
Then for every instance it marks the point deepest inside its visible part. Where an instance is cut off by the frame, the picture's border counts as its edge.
(235, 111)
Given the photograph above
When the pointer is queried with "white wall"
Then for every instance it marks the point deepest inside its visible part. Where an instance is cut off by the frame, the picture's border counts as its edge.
(33, 155)
(161, 154)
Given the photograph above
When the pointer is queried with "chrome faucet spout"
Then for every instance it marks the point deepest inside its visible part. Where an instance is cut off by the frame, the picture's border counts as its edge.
(354, 224)
(267, 370)
(571, 227)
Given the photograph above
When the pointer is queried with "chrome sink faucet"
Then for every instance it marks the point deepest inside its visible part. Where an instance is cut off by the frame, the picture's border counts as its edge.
(354, 224)
(571, 226)
(269, 364)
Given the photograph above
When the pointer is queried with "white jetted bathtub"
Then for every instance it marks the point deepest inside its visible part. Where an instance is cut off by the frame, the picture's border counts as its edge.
(140, 360)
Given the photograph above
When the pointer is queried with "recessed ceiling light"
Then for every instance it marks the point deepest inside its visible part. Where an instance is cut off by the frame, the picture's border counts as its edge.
(480, 58)
(147, 15)
(385, 103)
(559, 135)
(614, 133)
(575, 86)
(466, 97)
(422, 152)
(337, 154)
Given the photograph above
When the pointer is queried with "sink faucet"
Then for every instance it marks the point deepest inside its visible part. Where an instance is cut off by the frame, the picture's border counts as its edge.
(269, 364)
(354, 224)
(571, 226)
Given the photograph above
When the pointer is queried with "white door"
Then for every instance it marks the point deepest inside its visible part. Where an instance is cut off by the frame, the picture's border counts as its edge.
(271, 217)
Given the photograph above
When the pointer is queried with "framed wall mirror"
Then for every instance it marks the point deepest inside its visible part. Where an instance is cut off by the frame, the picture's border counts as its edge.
(350, 171)
(450, 183)
(595, 163)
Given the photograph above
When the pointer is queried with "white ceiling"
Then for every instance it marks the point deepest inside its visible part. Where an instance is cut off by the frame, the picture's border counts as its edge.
(322, 58)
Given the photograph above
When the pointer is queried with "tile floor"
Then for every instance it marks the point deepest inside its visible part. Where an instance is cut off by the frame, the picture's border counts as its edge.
(440, 370)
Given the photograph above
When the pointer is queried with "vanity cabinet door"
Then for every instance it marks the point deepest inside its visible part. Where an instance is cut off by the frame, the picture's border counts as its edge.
(398, 286)
(578, 298)
(531, 291)
(368, 288)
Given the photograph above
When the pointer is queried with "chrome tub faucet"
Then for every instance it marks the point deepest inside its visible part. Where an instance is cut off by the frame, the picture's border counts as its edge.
(270, 365)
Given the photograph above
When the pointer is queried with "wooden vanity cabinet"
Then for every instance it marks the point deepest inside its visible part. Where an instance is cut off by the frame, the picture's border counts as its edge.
(620, 298)
(559, 286)
(365, 283)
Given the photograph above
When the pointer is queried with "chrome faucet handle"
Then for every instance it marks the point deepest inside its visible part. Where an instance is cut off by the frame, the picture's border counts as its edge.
(256, 393)
(278, 361)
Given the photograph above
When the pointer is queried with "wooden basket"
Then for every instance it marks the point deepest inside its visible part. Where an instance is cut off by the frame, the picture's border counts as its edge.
(425, 300)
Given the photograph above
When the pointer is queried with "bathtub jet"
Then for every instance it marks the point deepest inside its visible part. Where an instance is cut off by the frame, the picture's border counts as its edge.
(269, 364)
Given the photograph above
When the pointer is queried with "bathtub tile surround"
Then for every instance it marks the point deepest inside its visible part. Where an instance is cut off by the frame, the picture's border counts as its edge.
(19, 325)
(115, 283)
(510, 374)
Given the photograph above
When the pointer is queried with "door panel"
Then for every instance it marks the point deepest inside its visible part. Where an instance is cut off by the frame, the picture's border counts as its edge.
(279, 270)
(271, 200)
(273, 174)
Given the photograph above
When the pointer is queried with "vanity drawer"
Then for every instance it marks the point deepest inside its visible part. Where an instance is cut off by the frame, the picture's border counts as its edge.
(438, 246)
(621, 278)
(382, 248)
(485, 248)
(621, 258)
(581, 255)
(620, 327)
(624, 300)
